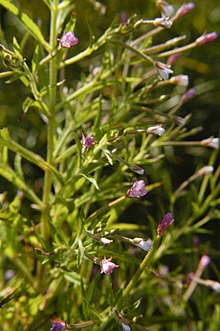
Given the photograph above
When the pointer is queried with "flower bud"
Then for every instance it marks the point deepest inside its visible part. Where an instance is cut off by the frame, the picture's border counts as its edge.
(172, 58)
(166, 221)
(180, 80)
(189, 94)
(204, 262)
(206, 38)
(87, 142)
(205, 171)
(185, 9)
(211, 142)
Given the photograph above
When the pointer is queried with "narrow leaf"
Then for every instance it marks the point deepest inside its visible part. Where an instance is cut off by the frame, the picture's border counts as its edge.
(26, 21)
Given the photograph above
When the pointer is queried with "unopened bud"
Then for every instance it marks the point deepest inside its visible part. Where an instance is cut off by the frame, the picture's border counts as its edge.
(205, 171)
(185, 9)
(206, 38)
(189, 94)
(180, 80)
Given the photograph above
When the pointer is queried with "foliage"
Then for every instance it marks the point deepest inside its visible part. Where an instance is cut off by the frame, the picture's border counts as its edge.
(97, 173)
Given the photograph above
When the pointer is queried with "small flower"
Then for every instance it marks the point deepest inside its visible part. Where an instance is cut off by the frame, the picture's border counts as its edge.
(166, 221)
(211, 142)
(205, 171)
(107, 266)
(189, 94)
(146, 245)
(157, 129)
(163, 70)
(164, 22)
(180, 80)
(87, 142)
(58, 325)
(68, 40)
(137, 190)
(185, 9)
(166, 9)
(105, 241)
(206, 38)
(204, 262)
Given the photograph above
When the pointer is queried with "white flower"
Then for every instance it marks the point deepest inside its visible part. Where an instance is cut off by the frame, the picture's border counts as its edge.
(163, 70)
(211, 142)
(105, 241)
(157, 129)
(146, 245)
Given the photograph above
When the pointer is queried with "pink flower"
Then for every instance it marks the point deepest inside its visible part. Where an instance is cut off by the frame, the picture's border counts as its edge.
(137, 190)
(166, 221)
(107, 266)
(185, 9)
(172, 58)
(163, 70)
(68, 40)
(87, 142)
(206, 38)
(58, 325)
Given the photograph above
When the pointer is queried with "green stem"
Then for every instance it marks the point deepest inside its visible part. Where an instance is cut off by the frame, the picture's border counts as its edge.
(51, 124)
(133, 282)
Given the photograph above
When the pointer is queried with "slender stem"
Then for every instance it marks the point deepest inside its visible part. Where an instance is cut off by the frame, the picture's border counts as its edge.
(133, 282)
(51, 124)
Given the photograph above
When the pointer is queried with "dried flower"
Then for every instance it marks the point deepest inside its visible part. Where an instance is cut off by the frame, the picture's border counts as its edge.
(107, 266)
(58, 325)
(163, 70)
(157, 129)
(68, 40)
(206, 38)
(180, 80)
(87, 142)
(211, 142)
(206, 170)
(166, 221)
(204, 262)
(164, 22)
(185, 9)
(166, 9)
(137, 190)
(189, 94)
(146, 245)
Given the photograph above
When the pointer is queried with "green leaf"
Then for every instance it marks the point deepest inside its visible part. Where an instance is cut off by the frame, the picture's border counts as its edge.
(91, 180)
(26, 21)
(34, 158)
(9, 174)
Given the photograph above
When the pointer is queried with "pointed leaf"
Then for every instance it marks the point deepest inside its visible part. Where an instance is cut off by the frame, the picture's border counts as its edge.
(26, 21)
